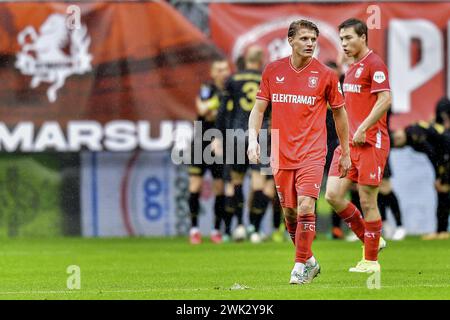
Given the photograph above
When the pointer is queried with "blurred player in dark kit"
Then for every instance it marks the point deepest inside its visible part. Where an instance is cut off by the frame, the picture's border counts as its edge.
(207, 103)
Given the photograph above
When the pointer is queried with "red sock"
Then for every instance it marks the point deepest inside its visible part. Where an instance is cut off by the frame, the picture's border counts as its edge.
(291, 228)
(304, 236)
(353, 218)
(371, 239)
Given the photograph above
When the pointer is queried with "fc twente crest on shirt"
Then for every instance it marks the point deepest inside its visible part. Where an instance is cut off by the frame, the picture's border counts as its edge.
(312, 82)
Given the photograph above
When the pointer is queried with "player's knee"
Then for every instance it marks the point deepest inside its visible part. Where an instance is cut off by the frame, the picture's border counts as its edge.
(305, 209)
(329, 196)
(332, 197)
(290, 215)
(368, 199)
(306, 206)
(367, 205)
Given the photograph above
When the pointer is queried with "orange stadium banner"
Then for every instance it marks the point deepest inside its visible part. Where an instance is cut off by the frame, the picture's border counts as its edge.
(413, 38)
(67, 72)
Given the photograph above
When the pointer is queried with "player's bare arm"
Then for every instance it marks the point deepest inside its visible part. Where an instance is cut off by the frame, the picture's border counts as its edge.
(380, 108)
(341, 123)
(202, 106)
(254, 125)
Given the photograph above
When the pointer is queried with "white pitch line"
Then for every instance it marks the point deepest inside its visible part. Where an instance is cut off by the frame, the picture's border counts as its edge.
(206, 289)
(97, 291)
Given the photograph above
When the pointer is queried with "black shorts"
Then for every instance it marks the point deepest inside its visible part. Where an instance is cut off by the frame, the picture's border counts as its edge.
(199, 169)
(241, 163)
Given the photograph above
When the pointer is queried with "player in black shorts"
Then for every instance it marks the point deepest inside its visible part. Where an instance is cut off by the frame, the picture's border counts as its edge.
(241, 88)
(207, 103)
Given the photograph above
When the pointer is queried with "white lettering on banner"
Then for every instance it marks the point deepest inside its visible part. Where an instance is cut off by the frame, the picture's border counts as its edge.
(404, 77)
(50, 137)
(84, 133)
(121, 135)
(293, 98)
(21, 135)
(118, 135)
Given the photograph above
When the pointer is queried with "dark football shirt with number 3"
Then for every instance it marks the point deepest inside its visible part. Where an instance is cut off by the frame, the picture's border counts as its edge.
(241, 88)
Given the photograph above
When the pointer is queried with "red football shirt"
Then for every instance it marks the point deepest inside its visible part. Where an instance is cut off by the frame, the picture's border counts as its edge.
(299, 101)
(362, 81)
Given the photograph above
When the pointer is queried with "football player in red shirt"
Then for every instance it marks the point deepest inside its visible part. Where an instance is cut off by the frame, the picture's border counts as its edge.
(367, 99)
(299, 89)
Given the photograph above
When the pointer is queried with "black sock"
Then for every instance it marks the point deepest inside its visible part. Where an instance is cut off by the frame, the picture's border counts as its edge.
(239, 203)
(276, 207)
(258, 208)
(443, 211)
(382, 203)
(219, 211)
(194, 207)
(228, 214)
(392, 202)
(336, 220)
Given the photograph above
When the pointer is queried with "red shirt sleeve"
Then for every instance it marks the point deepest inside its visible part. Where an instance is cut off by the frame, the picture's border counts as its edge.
(264, 87)
(334, 92)
(379, 77)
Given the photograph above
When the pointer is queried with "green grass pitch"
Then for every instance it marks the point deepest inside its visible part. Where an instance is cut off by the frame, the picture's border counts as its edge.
(146, 268)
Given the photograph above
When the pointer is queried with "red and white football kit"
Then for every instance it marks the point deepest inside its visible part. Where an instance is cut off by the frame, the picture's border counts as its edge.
(363, 80)
(299, 99)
